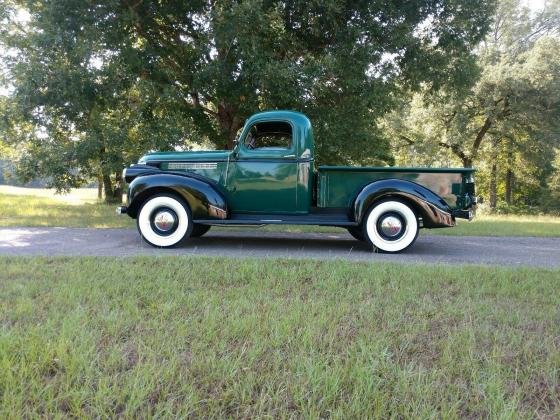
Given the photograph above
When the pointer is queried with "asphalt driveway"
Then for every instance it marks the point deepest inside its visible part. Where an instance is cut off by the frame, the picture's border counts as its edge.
(503, 251)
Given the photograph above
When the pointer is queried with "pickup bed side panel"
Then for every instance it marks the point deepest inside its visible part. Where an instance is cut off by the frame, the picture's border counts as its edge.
(339, 186)
(203, 198)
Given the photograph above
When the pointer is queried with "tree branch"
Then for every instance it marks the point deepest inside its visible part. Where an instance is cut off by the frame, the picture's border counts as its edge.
(479, 136)
(408, 140)
(457, 151)
(197, 104)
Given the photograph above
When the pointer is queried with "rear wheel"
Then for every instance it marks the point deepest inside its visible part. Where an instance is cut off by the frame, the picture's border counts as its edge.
(391, 226)
(199, 230)
(164, 221)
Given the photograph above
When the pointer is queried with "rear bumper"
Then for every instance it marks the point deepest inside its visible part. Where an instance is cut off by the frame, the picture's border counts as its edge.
(469, 207)
(465, 214)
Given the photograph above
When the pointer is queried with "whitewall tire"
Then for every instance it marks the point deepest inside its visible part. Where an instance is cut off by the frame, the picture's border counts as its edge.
(391, 226)
(164, 221)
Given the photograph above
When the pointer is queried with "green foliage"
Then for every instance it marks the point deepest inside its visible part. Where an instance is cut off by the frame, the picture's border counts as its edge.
(551, 195)
(507, 124)
(104, 82)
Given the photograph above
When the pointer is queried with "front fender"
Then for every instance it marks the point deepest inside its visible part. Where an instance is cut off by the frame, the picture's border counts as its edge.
(203, 198)
(432, 208)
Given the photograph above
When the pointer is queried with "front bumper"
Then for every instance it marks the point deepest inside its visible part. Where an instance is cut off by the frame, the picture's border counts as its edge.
(122, 210)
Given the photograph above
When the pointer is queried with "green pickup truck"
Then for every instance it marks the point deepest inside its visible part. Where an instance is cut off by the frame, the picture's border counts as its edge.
(270, 178)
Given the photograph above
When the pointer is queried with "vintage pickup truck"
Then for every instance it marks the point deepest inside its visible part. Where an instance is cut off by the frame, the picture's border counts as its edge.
(270, 178)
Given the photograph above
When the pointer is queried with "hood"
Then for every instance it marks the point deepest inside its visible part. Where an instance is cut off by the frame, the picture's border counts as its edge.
(198, 156)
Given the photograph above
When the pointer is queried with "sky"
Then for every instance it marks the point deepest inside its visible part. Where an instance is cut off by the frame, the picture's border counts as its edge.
(534, 4)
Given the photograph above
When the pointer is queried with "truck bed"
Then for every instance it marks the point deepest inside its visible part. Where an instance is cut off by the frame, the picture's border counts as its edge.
(339, 185)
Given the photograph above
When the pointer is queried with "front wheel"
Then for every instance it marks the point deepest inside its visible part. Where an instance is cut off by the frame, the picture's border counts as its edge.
(164, 221)
(356, 232)
(391, 226)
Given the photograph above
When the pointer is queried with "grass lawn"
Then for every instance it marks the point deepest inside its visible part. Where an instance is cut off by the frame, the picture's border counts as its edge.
(81, 210)
(97, 337)
(504, 225)
(77, 211)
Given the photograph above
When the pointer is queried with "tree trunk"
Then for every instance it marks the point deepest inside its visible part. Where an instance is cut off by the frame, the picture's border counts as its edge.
(118, 189)
(234, 128)
(493, 183)
(492, 189)
(113, 193)
(107, 187)
(99, 187)
(229, 122)
(509, 178)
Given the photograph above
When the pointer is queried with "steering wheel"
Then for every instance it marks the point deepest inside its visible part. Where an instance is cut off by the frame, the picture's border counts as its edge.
(251, 138)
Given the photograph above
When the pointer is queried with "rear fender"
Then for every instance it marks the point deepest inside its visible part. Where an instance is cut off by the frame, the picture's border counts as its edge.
(203, 198)
(432, 208)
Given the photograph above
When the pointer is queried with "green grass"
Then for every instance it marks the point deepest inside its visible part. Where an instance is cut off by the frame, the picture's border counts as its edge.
(504, 225)
(98, 337)
(23, 210)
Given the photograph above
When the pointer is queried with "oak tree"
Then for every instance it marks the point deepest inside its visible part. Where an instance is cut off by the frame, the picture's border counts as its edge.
(105, 81)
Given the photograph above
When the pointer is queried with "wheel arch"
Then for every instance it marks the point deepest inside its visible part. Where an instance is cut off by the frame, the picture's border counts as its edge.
(426, 204)
(203, 198)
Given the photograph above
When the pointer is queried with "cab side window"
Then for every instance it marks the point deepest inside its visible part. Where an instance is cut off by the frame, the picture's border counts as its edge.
(269, 136)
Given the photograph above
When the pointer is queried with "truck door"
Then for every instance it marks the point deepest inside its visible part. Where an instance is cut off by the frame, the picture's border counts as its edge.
(262, 173)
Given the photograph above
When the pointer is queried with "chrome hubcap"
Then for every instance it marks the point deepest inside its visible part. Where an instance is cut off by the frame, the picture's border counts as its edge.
(391, 226)
(164, 220)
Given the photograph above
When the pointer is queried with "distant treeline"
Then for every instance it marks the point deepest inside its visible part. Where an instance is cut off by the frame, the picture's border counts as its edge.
(9, 177)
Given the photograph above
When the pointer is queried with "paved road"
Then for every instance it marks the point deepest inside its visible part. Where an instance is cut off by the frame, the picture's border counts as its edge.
(505, 251)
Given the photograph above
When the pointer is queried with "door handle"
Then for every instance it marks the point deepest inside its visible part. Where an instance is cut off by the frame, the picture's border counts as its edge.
(289, 156)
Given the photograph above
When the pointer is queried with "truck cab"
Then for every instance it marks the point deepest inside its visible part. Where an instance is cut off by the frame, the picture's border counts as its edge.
(272, 160)
(270, 178)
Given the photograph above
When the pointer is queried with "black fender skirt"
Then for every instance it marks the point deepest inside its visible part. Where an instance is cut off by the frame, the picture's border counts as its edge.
(203, 197)
(435, 212)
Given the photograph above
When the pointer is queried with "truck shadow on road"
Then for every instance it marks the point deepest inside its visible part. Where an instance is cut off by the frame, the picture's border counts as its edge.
(300, 246)
(266, 242)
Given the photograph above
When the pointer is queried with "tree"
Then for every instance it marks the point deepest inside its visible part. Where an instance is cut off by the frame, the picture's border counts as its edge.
(551, 199)
(78, 113)
(194, 71)
(511, 115)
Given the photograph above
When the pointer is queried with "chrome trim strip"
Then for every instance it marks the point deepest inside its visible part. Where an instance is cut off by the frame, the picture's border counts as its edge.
(192, 165)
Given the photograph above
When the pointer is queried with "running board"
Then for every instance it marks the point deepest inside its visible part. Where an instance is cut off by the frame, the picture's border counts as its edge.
(282, 219)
